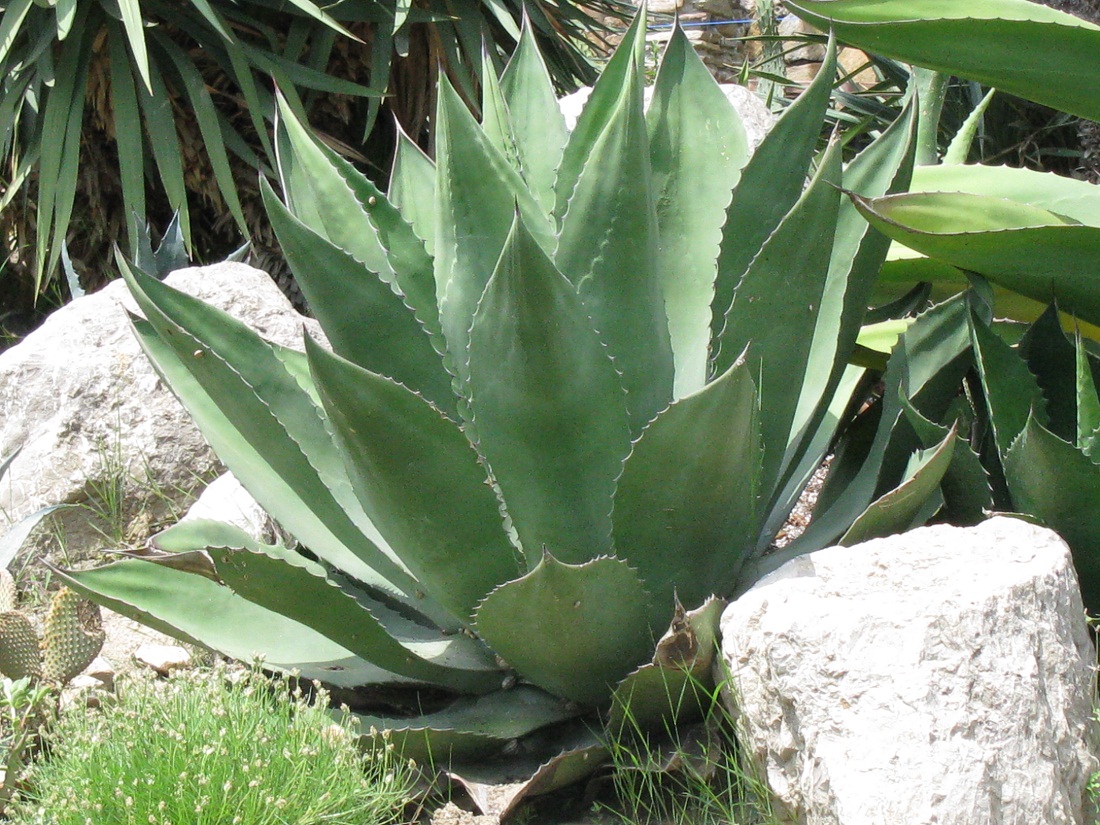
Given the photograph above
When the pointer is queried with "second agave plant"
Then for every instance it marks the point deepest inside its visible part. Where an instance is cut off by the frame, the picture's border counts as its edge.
(576, 383)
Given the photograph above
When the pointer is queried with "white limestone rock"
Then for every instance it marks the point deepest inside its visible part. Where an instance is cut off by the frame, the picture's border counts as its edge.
(227, 501)
(754, 113)
(85, 404)
(942, 676)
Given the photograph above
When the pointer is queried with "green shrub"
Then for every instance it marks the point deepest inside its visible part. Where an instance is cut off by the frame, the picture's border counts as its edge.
(207, 748)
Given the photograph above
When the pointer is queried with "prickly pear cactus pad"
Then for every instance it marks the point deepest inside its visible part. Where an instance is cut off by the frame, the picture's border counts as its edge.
(576, 379)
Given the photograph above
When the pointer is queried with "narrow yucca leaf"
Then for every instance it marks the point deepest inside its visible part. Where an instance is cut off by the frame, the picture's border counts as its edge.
(206, 116)
(419, 481)
(342, 294)
(911, 503)
(160, 126)
(573, 630)
(538, 125)
(14, 15)
(198, 610)
(412, 189)
(1019, 47)
(478, 192)
(1088, 404)
(778, 331)
(130, 11)
(130, 142)
(1011, 391)
(547, 405)
(252, 440)
(697, 147)
(472, 727)
(608, 249)
(686, 504)
(770, 184)
(57, 174)
(1057, 483)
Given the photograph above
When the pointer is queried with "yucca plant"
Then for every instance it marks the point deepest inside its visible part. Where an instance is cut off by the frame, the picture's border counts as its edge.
(142, 108)
(577, 382)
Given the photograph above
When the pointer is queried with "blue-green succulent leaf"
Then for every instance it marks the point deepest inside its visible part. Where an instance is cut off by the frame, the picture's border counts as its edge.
(697, 147)
(573, 630)
(420, 481)
(548, 408)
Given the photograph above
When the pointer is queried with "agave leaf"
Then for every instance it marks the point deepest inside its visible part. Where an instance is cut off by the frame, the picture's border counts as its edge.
(330, 197)
(1088, 404)
(697, 147)
(686, 505)
(573, 630)
(598, 111)
(12, 541)
(770, 184)
(494, 112)
(675, 686)
(608, 249)
(198, 610)
(419, 480)
(906, 506)
(1058, 483)
(927, 365)
(1019, 246)
(778, 330)
(1011, 392)
(967, 495)
(412, 189)
(477, 200)
(1052, 359)
(291, 586)
(980, 40)
(547, 405)
(343, 294)
(473, 726)
(959, 148)
(246, 433)
(857, 255)
(1068, 197)
(538, 125)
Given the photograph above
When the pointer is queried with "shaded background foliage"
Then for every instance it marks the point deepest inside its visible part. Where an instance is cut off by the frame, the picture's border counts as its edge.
(76, 75)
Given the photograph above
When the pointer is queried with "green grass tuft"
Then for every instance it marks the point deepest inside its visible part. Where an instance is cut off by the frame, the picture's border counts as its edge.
(205, 748)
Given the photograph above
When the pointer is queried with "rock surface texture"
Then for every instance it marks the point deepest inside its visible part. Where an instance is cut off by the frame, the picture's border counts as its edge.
(942, 676)
(227, 501)
(754, 113)
(95, 421)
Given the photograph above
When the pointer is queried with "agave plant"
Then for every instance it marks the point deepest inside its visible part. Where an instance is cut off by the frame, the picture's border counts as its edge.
(576, 383)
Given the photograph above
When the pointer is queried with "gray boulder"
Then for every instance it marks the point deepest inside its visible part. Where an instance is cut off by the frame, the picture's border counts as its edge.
(96, 424)
(756, 117)
(942, 676)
